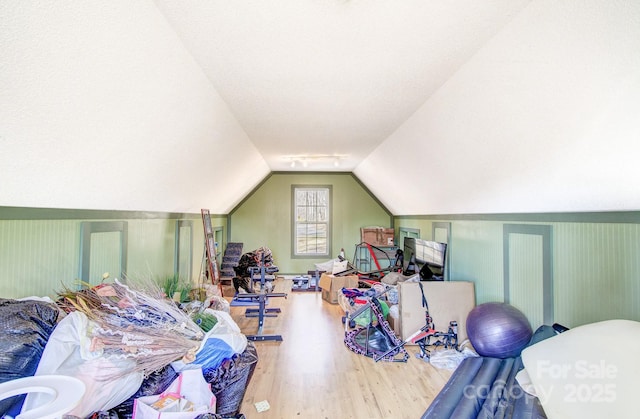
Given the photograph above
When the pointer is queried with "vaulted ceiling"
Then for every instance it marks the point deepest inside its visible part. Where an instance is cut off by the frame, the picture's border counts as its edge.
(438, 107)
(330, 78)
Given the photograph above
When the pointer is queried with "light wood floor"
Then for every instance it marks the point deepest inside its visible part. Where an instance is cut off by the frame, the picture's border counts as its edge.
(312, 374)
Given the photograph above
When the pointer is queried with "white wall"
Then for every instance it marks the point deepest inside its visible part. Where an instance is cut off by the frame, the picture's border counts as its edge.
(545, 118)
(101, 107)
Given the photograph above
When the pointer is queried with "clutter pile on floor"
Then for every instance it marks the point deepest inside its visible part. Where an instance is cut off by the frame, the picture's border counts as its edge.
(132, 350)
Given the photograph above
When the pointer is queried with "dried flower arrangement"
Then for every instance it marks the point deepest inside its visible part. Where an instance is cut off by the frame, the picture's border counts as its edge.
(135, 322)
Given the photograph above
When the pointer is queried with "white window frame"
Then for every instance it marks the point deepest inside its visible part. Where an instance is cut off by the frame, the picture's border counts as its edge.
(320, 216)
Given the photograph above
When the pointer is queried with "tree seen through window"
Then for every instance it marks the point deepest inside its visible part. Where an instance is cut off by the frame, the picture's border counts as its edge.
(311, 221)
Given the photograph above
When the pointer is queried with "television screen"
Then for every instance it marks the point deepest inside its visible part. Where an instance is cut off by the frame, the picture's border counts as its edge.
(425, 252)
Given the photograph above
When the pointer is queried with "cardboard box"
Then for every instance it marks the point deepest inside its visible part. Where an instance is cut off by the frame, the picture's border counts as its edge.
(447, 301)
(332, 285)
(392, 322)
(377, 236)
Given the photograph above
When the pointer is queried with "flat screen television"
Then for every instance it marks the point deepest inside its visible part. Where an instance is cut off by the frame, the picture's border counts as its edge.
(425, 253)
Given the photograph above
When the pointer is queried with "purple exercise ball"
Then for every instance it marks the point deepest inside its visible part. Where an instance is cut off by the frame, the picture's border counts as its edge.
(498, 330)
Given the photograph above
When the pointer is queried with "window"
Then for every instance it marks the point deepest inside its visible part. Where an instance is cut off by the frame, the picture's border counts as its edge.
(311, 215)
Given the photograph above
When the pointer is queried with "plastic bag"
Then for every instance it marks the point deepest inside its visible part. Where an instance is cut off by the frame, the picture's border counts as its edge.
(213, 353)
(230, 380)
(449, 359)
(392, 295)
(227, 329)
(326, 266)
(191, 386)
(222, 342)
(339, 266)
(108, 380)
(26, 327)
(219, 304)
(157, 382)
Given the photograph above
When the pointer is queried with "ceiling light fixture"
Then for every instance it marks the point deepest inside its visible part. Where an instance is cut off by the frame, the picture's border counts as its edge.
(318, 160)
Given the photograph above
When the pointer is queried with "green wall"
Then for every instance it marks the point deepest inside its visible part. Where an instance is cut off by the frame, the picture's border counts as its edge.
(40, 249)
(595, 257)
(264, 217)
(595, 264)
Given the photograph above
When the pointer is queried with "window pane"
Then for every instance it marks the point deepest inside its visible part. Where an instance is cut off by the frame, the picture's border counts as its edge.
(312, 214)
(300, 197)
(311, 247)
(321, 239)
(322, 214)
(311, 228)
(301, 214)
(301, 246)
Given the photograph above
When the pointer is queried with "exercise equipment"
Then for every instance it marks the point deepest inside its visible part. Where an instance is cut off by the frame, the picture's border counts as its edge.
(498, 330)
(308, 282)
(367, 255)
(428, 337)
(259, 273)
(230, 260)
(371, 261)
(375, 339)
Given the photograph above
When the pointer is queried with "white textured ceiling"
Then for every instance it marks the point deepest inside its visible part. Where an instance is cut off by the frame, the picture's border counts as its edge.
(330, 77)
(440, 107)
